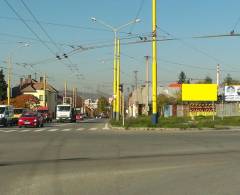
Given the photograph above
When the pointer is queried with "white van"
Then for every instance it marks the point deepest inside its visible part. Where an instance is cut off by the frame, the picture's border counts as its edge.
(65, 112)
(6, 115)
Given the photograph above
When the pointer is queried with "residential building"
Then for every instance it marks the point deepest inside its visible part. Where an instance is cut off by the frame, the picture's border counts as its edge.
(140, 99)
(36, 88)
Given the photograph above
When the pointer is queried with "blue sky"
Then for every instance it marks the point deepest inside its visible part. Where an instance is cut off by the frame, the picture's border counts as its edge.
(182, 19)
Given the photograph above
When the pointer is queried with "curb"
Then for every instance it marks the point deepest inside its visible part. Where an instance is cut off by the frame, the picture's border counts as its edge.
(171, 130)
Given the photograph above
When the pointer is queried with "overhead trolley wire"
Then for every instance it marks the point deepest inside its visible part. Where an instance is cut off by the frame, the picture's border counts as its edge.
(29, 28)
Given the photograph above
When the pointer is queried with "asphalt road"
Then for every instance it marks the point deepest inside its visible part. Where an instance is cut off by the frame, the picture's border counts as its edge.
(89, 158)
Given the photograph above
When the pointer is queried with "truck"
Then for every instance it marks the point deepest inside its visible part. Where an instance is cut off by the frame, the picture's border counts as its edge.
(65, 113)
(6, 115)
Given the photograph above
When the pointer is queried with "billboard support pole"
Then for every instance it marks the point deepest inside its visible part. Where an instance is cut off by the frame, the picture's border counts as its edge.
(213, 104)
(222, 109)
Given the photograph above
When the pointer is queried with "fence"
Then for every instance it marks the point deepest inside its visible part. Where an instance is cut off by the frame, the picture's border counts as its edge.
(222, 110)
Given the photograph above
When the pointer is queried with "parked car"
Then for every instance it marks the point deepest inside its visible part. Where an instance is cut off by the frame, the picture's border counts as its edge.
(47, 116)
(31, 119)
(6, 115)
(17, 113)
(79, 117)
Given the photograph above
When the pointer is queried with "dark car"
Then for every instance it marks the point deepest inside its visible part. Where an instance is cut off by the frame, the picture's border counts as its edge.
(31, 119)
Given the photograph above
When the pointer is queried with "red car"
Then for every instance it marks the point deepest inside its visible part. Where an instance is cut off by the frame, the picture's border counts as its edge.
(79, 117)
(31, 119)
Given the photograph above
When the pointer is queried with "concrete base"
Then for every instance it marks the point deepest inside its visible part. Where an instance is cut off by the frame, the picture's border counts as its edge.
(154, 118)
(114, 115)
(117, 116)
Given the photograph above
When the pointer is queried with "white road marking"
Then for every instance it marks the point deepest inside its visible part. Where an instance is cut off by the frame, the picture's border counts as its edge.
(66, 130)
(39, 130)
(80, 129)
(51, 130)
(2, 130)
(61, 124)
(9, 131)
(93, 129)
(106, 127)
(25, 130)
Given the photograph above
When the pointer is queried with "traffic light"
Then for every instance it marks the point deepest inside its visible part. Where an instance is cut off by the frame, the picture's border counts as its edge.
(121, 87)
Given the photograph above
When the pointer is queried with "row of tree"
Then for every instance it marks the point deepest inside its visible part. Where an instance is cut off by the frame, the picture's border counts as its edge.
(228, 80)
(3, 86)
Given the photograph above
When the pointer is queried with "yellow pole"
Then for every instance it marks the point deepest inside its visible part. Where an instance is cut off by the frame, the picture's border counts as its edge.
(9, 79)
(154, 63)
(115, 77)
(44, 89)
(123, 110)
(118, 82)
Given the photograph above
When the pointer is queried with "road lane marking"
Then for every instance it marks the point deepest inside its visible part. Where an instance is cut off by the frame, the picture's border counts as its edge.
(93, 129)
(63, 124)
(80, 129)
(106, 127)
(2, 130)
(51, 130)
(66, 130)
(25, 130)
(9, 131)
(39, 130)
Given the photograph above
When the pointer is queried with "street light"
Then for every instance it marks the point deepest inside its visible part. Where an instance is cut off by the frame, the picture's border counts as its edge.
(10, 68)
(116, 63)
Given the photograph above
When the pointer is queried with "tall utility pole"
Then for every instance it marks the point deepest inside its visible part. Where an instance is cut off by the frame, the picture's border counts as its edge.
(115, 75)
(76, 97)
(136, 87)
(135, 72)
(218, 74)
(65, 91)
(147, 83)
(118, 82)
(73, 98)
(10, 71)
(154, 62)
(115, 31)
(44, 90)
(9, 79)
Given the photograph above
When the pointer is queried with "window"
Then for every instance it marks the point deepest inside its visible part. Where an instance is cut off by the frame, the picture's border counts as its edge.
(41, 97)
(63, 108)
(2, 109)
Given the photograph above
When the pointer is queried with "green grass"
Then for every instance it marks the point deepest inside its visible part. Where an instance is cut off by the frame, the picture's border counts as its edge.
(179, 122)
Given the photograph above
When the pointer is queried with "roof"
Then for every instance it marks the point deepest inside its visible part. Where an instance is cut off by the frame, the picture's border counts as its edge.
(38, 86)
(175, 85)
(29, 88)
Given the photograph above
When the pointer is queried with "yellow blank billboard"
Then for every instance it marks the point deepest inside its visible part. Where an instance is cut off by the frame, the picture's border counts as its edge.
(199, 92)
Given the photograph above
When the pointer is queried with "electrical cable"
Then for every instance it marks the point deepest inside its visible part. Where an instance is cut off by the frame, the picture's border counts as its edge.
(39, 24)
(137, 15)
(29, 28)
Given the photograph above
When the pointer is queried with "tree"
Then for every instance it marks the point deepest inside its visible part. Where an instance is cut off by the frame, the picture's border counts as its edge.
(23, 101)
(182, 78)
(103, 105)
(228, 80)
(165, 100)
(208, 80)
(3, 86)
